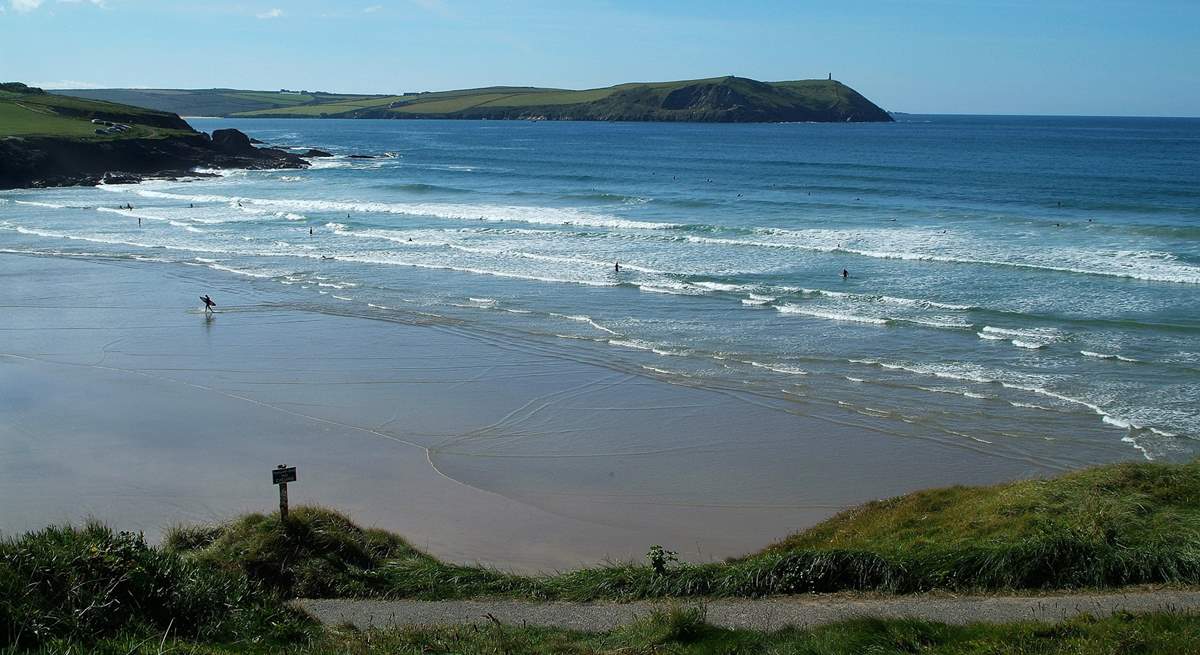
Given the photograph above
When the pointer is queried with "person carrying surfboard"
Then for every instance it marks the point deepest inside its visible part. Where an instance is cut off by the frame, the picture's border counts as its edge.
(208, 303)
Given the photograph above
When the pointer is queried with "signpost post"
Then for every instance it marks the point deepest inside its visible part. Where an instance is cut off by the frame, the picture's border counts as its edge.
(282, 475)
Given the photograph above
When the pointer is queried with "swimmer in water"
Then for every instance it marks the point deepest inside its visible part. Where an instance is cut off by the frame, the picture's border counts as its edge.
(845, 274)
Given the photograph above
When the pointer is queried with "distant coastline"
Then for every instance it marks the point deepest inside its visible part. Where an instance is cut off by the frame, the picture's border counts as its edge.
(716, 100)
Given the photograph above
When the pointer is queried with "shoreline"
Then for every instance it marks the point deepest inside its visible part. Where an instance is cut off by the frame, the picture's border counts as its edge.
(473, 449)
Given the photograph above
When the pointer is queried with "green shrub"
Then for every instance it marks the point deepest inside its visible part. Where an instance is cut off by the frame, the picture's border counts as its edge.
(87, 583)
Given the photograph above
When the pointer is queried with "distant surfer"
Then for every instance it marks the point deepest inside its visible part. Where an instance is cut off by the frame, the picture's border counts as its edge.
(208, 303)
(310, 231)
(139, 221)
(845, 274)
(617, 267)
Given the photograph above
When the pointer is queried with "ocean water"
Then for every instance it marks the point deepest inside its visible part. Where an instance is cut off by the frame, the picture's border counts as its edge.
(1020, 286)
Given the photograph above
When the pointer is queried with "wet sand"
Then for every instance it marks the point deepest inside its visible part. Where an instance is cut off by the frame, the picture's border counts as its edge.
(119, 399)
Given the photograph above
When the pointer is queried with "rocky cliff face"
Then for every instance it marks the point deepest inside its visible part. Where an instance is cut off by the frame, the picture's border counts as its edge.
(53, 161)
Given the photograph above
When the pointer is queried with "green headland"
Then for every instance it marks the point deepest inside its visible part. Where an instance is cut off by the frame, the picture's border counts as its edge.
(31, 112)
(223, 588)
(718, 99)
(56, 140)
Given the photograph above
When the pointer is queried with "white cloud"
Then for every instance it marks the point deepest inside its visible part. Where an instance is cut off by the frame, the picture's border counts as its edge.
(274, 13)
(99, 3)
(23, 6)
(372, 9)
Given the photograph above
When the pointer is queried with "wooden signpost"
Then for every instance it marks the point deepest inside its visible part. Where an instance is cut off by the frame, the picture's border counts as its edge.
(282, 475)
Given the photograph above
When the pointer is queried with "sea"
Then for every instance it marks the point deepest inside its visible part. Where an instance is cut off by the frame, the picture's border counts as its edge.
(1023, 286)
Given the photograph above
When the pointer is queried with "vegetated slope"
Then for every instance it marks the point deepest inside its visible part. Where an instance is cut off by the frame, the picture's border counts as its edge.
(90, 590)
(203, 102)
(1121, 524)
(29, 111)
(55, 140)
(720, 99)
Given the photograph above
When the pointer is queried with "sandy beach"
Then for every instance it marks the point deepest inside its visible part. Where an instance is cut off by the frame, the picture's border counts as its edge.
(121, 400)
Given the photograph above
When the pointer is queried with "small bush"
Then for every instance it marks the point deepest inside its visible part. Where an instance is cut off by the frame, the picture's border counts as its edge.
(89, 583)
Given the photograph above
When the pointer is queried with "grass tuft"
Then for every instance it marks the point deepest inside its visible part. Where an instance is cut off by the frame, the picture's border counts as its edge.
(91, 582)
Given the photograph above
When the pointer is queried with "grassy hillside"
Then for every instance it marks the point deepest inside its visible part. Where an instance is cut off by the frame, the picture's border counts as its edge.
(28, 111)
(724, 99)
(1114, 525)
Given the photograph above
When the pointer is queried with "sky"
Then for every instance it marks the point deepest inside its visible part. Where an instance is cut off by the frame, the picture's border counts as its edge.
(1076, 57)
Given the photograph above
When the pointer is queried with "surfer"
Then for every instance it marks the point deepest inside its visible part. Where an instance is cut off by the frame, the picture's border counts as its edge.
(310, 231)
(617, 267)
(139, 221)
(845, 274)
(208, 303)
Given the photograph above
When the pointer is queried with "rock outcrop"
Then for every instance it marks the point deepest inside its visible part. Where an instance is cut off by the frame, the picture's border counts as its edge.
(56, 161)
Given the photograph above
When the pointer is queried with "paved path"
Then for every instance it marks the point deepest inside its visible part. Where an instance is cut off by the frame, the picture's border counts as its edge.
(759, 614)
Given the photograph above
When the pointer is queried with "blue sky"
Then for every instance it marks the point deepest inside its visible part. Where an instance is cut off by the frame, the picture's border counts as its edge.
(1110, 57)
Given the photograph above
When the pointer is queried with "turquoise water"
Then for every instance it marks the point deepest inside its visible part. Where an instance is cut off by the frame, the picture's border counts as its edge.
(1028, 287)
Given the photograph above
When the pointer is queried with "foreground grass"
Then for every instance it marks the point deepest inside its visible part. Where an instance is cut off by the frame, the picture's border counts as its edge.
(685, 632)
(1123, 524)
(222, 589)
(89, 583)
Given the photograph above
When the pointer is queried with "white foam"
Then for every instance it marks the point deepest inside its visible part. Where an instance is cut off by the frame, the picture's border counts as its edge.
(1027, 344)
(917, 244)
(720, 286)
(1089, 353)
(935, 323)
(584, 319)
(460, 212)
(832, 316)
(236, 271)
(1015, 403)
(150, 217)
(671, 290)
(956, 392)
(635, 344)
(32, 203)
(891, 300)
(1022, 333)
(780, 369)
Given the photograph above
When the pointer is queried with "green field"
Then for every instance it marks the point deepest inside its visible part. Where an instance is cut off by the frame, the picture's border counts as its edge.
(707, 100)
(30, 113)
